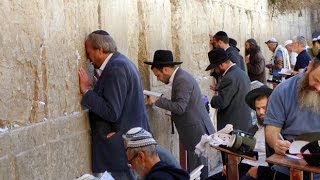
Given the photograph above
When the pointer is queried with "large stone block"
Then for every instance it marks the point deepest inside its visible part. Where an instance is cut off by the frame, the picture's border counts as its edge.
(27, 138)
(33, 163)
(68, 125)
(5, 144)
(6, 169)
(69, 156)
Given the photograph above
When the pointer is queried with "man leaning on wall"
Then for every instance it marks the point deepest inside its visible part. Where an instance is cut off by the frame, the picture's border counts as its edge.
(115, 103)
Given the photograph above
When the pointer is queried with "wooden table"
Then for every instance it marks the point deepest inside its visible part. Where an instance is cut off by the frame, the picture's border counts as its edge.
(233, 160)
(297, 166)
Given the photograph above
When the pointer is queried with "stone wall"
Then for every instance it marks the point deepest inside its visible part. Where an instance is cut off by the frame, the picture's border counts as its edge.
(42, 49)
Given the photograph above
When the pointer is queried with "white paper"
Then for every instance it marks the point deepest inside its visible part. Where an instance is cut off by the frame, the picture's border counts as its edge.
(296, 146)
(284, 71)
(106, 176)
(151, 93)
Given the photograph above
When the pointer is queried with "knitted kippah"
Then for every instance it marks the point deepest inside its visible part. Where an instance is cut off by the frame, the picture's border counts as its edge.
(139, 137)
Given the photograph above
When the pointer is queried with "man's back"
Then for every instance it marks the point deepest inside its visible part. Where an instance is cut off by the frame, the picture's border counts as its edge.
(187, 109)
(235, 57)
(230, 102)
(166, 172)
(116, 104)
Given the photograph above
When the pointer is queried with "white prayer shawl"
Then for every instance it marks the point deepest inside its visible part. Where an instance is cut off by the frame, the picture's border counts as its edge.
(285, 57)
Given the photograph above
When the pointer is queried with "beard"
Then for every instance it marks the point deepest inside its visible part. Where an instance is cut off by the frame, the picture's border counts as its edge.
(139, 173)
(247, 52)
(260, 120)
(308, 98)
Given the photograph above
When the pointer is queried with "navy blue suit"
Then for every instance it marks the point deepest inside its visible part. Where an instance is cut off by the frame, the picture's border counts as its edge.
(116, 104)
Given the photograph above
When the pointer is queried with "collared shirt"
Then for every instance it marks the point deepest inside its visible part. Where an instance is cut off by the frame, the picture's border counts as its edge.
(99, 71)
(228, 69)
(260, 148)
(172, 76)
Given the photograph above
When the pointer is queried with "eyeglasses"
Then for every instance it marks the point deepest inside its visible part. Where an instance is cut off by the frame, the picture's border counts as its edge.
(130, 161)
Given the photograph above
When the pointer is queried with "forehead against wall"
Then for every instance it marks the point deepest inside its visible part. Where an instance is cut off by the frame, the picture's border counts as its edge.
(42, 49)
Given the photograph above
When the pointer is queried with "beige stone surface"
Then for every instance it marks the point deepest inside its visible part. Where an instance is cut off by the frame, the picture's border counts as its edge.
(42, 49)
(39, 152)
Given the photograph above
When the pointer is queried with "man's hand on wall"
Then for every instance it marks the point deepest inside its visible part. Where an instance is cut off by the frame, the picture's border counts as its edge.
(83, 81)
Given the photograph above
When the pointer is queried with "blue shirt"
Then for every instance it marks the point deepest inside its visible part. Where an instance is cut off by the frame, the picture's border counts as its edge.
(275, 72)
(283, 111)
(303, 60)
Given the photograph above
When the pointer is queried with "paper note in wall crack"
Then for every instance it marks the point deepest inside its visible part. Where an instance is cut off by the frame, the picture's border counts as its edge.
(151, 93)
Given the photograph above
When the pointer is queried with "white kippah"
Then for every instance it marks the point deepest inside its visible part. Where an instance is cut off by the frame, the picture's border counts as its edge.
(139, 137)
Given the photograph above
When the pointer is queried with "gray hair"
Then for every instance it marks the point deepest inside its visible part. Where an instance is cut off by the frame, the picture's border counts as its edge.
(105, 42)
(300, 40)
(149, 150)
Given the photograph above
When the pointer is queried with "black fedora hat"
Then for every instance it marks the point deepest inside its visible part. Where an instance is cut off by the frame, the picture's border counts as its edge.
(216, 57)
(253, 94)
(233, 43)
(162, 58)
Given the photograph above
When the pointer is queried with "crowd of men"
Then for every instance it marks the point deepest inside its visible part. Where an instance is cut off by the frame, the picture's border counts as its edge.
(120, 129)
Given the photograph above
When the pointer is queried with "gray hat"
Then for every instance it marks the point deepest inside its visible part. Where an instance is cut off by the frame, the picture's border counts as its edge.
(139, 137)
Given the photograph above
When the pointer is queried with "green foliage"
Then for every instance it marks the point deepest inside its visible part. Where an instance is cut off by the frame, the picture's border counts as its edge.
(290, 6)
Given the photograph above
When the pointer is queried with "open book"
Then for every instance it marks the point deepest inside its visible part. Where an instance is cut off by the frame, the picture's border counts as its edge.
(285, 71)
(295, 147)
(151, 93)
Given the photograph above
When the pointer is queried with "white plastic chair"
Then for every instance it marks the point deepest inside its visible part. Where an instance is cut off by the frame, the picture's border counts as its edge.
(195, 174)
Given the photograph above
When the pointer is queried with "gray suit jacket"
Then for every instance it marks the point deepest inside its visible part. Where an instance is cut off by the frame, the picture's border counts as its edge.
(230, 102)
(187, 109)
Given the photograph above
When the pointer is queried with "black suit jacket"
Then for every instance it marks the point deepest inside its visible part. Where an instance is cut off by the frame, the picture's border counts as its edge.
(116, 104)
(230, 102)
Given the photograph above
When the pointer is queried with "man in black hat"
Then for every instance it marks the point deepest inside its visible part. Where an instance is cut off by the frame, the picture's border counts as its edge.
(115, 104)
(187, 109)
(248, 170)
(234, 85)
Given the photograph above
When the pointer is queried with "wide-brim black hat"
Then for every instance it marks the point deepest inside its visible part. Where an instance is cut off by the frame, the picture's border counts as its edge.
(162, 58)
(216, 57)
(253, 94)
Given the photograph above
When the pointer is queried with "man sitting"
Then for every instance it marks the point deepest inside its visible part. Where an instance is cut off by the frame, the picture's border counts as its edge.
(144, 160)
(257, 100)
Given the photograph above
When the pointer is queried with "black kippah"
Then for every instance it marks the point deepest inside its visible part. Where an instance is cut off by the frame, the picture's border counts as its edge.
(221, 33)
(100, 32)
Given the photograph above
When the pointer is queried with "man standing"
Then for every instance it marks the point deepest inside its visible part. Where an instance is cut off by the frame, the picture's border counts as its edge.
(255, 61)
(234, 85)
(299, 46)
(280, 58)
(115, 103)
(188, 112)
(292, 55)
(294, 109)
(248, 170)
(221, 40)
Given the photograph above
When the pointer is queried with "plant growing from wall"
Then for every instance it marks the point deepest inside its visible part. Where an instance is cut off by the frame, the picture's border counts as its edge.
(291, 6)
